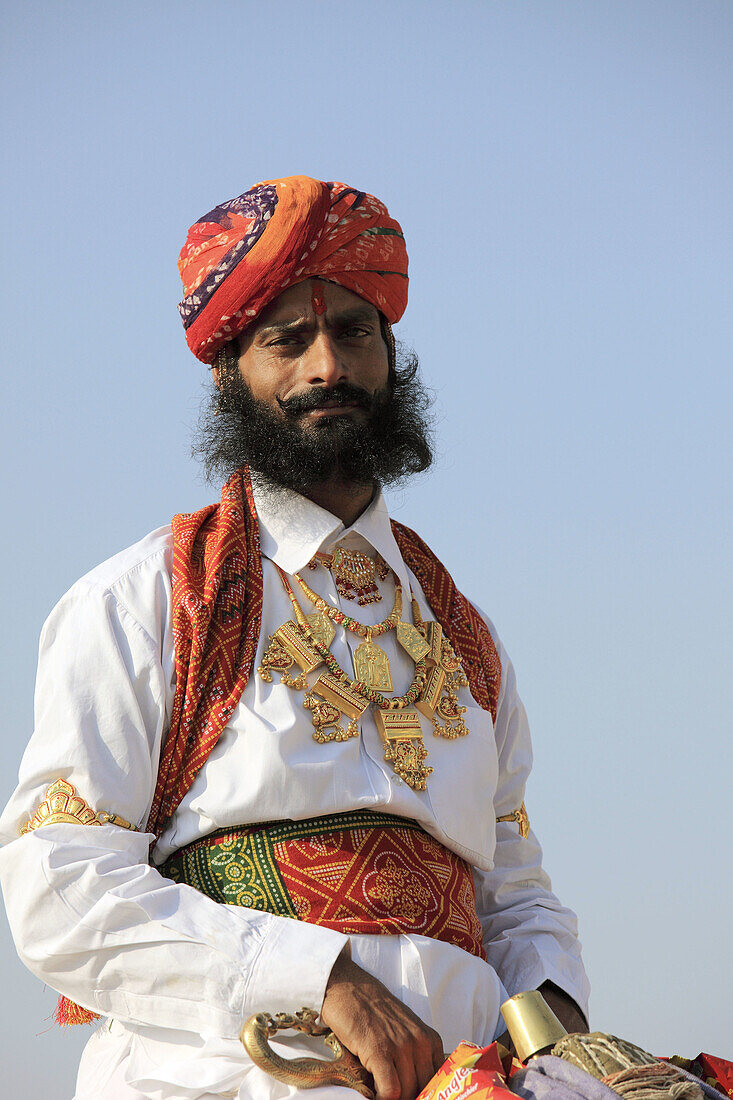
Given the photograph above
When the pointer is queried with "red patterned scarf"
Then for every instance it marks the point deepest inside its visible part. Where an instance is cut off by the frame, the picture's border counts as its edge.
(217, 612)
(466, 630)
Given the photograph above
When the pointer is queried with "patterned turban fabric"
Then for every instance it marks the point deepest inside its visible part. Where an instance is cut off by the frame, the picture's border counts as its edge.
(243, 254)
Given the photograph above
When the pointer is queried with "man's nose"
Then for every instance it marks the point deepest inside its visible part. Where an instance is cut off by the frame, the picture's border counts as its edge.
(324, 365)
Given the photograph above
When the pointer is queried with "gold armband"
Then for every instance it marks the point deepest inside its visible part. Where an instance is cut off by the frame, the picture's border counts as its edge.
(63, 804)
(521, 817)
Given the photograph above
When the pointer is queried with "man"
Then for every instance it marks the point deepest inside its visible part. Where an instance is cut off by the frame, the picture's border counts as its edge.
(279, 759)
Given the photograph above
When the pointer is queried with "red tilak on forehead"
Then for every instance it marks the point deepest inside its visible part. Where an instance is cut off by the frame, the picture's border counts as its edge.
(319, 302)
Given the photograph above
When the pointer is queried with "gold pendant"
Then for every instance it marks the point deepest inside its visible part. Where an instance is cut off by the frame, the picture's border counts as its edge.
(326, 720)
(398, 724)
(412, 641)
(452, 714)
(341, 696)
(371, 666)
(449, 661)
(336, 699)
(289, 646)
(354, 575)
(276, 659)
(403, 746)
(321, 628)
(448, 708)
(434, 636)
(291, 638)
(431, 693)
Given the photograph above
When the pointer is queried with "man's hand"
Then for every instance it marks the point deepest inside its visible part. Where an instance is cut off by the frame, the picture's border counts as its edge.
(397, 1048)
(564, 1007)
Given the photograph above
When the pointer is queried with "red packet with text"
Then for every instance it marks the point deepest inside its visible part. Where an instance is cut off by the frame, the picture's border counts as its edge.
(478, 1072)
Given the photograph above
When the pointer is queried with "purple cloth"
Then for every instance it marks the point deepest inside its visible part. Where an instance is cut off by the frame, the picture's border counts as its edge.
(550, 1078)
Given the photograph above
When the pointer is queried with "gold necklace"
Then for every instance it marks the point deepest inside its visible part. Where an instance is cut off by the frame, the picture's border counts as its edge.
(371, 664)
(361, 686)
(352, 624)
(334, 694)
(433, 692)
(409, 637)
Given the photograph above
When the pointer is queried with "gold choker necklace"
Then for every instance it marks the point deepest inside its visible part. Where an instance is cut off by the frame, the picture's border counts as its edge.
(354, 573)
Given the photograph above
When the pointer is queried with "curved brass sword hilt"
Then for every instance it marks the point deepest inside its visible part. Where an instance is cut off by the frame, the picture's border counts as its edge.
(303, 1073)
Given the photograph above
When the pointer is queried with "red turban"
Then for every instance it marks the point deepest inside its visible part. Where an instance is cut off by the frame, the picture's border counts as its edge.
(246, 252)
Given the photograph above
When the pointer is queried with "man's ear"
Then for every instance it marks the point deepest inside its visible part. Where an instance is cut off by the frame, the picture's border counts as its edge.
(217, 377)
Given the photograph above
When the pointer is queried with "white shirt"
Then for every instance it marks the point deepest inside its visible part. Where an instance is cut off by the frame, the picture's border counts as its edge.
(179, 973)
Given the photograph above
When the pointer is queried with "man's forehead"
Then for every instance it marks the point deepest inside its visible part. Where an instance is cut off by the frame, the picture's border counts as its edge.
(305, 298)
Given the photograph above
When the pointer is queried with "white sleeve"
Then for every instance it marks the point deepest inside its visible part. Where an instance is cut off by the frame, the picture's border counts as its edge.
(529, 937)
(89, 916)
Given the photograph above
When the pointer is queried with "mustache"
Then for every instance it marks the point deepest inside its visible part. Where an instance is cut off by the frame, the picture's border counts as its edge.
(343, 393)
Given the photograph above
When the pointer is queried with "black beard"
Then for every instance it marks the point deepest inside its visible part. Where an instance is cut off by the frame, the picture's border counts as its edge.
(384, 447)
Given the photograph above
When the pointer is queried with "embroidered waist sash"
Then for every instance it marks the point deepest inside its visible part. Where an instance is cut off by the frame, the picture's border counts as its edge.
(358, 872)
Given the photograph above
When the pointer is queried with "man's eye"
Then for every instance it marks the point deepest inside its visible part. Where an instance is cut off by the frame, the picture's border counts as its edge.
(283, 341)
(355, 330)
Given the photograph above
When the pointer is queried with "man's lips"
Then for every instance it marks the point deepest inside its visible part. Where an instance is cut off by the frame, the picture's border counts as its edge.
(331, 408)
(344, 398)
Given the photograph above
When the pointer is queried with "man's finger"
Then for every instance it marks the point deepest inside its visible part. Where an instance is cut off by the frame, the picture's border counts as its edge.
(439, 1055)
(425, 1054)
(387, 1084)
(406, 1069)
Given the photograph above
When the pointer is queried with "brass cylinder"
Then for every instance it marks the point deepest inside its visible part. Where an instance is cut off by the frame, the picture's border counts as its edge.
(532, 1024)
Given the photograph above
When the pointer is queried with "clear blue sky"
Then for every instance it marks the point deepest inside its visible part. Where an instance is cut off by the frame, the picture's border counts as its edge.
(562, 170)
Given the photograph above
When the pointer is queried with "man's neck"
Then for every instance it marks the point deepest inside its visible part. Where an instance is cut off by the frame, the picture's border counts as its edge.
(341, 499)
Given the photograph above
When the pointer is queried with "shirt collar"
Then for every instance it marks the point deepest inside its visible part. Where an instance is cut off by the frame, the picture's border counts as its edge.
(293, 528)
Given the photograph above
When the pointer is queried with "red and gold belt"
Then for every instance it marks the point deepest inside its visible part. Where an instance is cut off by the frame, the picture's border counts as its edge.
(358, 873)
